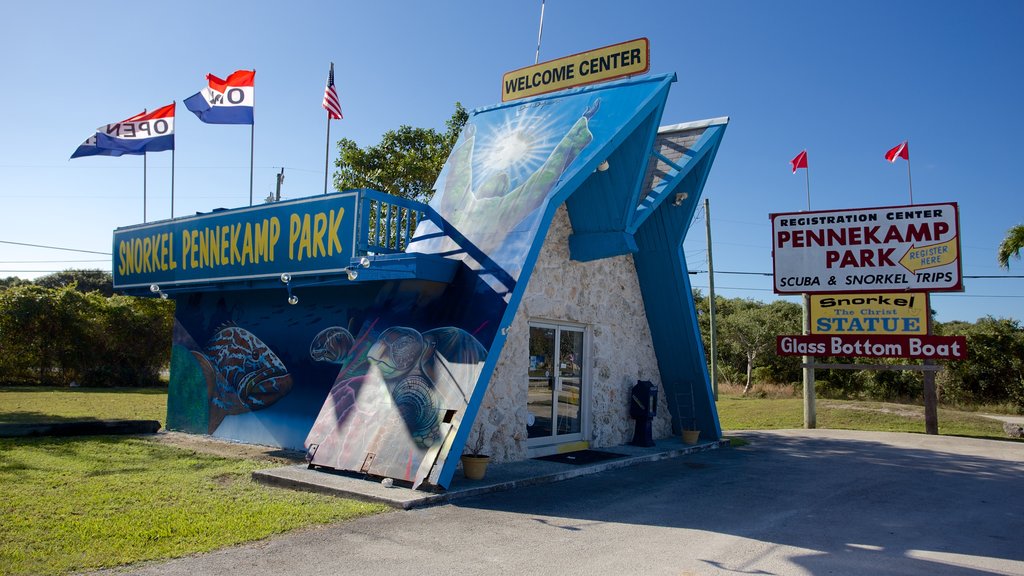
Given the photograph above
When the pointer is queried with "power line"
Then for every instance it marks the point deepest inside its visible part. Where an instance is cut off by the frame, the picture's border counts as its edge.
(49, 261)
(55, 248)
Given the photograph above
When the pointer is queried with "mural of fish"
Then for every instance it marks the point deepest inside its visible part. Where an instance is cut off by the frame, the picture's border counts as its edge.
(242, 374)
(331, 345)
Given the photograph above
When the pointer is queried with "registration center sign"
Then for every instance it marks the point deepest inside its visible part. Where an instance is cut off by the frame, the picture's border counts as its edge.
(888, 249)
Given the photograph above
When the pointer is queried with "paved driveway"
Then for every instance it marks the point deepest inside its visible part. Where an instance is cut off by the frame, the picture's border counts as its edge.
(791, 502)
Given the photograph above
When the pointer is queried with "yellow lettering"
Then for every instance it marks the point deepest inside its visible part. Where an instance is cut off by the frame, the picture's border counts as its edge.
(186, 245)
(319, 229)
(147, 249)
(305, 240)
(275, 233)
(247, 243)
(225, 245)
(333, 230)
(293, 234)
(236, 256)
(120, 258)
(194, 235)
(260, 241)
(136, 255)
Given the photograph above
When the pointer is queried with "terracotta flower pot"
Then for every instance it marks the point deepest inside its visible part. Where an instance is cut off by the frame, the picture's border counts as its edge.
(690, 436)
(474, 466)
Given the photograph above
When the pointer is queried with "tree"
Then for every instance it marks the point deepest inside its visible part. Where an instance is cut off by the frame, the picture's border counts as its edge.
(1011, 245)
(405, 163)
(12, 281)
(85, 281)
(753, 326)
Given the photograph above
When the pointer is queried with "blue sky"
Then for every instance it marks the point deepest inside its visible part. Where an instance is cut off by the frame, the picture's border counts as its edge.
(845, 81)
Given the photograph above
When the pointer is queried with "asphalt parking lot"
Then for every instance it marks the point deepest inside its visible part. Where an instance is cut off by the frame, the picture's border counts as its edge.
(789, 502)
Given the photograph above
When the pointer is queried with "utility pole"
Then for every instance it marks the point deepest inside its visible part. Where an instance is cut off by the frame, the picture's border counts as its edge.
(711, 303)
(280, 180)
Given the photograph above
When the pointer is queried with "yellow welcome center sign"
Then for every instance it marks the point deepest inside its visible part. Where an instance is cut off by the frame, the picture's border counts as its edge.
(599, 65)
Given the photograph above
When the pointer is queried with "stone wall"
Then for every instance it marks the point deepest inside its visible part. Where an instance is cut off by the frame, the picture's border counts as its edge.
(603, 295)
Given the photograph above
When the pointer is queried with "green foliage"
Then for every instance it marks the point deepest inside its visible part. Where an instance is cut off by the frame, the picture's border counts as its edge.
(56, 336)
(994, 371)
(1011, 246)
(12, 281)
(405, 163)
(82, 280)
(992, 374)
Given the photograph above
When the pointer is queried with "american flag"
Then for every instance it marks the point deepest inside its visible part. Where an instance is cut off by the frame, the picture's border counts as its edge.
(331, 102)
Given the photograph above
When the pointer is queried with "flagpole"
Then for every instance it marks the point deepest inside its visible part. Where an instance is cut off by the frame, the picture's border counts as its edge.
(540, 32)
(143, 187)
(172, 182)
(327, 152)
(910, 182)
(807, 173)
(252, 140)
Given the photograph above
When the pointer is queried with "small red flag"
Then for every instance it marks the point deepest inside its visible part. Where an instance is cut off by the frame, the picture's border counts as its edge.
(800, 161)
(901, 151)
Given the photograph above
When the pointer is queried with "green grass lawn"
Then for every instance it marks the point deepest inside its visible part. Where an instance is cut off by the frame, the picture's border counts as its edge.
(749, 413)
(75, 504)
(71, 504)
(36, 404)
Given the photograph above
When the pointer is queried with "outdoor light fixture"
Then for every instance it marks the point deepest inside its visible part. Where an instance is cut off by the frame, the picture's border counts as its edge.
(351, 273)
(680, 196)
(293, 299)
(364, 261)
(155, 289)
(603, 166)
(286, 278)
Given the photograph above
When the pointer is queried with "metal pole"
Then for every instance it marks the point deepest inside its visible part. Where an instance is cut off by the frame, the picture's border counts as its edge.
(172, 182)
(810, 411)
(910, 181)
(540, 32)
(252, 140)
(810, 415)
(143, 187)
(807, 173)
(712, 311)
(327, 152)
(931, 400)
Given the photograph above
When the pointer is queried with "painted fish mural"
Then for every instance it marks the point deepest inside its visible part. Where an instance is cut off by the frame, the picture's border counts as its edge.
(392, 418)
(331, 345)
(242, 374)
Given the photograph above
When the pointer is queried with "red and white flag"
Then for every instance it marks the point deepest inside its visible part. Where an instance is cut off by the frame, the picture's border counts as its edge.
(800, 161)
(331, 102)
(901, 151)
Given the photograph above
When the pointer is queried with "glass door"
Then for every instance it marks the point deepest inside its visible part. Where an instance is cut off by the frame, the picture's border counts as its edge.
(557, 392)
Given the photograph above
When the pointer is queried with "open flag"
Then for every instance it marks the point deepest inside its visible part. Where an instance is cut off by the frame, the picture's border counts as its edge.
(800, 161)
(331, 102)
(228, 101)
(146, 132)
(89, 147)
(901, 151)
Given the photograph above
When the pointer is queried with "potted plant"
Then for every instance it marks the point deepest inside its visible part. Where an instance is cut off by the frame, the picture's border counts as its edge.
(474, 464)
(690, 436)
